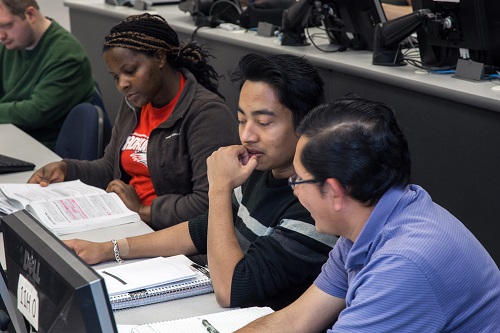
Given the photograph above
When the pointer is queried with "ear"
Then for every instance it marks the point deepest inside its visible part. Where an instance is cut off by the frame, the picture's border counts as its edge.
(161, 58)
(30, 14)
(336, 192)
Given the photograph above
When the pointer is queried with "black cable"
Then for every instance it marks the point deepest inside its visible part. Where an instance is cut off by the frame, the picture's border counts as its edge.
(194, 32)
(238, 9)
(339, 49)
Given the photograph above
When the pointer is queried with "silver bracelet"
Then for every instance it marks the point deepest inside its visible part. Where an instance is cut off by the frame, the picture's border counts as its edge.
(117, 251)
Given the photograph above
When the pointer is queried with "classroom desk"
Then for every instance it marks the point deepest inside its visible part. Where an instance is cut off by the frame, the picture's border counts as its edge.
(452, 125)
(16, 143)
(176, 309)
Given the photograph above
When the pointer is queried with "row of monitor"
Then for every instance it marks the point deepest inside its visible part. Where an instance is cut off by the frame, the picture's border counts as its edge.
(446, 29)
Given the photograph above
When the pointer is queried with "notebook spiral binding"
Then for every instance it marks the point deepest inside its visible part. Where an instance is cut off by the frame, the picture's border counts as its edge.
(201, 284)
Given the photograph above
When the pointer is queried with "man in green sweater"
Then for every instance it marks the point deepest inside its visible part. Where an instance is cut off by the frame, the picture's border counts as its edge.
(44, 71)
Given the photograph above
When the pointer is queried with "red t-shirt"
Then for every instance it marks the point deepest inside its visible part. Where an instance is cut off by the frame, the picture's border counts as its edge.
(135, 150)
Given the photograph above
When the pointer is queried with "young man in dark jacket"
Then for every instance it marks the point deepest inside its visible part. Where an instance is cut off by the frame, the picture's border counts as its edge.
(261, 243)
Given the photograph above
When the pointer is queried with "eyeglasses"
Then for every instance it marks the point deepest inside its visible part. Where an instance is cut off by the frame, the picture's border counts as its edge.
(295, 180)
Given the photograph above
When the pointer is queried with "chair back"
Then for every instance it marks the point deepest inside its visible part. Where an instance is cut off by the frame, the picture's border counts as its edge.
(86, 131)
(97, 99)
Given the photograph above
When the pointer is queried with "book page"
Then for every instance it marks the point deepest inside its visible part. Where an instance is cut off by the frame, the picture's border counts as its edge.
(76, 214)
(145, 274)
(20, 195)
(124, 328)
(5, 206)
(224, 322)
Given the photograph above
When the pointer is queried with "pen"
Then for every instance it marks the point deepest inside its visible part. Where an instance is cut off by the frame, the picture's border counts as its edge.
(209, 327)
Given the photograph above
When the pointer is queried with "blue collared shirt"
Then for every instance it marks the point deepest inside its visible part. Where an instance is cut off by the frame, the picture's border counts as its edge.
(413, 268)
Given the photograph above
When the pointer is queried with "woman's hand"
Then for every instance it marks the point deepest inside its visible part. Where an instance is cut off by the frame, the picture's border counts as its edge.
(130, 198)
(54, 172)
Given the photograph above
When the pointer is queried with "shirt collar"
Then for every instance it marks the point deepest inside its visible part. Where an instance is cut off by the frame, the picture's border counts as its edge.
(374, 224)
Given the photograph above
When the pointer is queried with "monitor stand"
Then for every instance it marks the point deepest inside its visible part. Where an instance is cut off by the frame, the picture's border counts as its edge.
(11, 320)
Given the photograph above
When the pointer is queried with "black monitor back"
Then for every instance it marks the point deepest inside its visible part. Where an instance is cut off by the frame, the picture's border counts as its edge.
(351, 23)
(466, 24)
(212, 12)
(72, 296)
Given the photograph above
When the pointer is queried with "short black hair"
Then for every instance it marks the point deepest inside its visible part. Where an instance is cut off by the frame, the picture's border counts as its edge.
(359, 143)
(296, 83)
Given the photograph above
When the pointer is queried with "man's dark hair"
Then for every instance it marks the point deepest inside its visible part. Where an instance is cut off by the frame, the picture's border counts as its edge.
(359, 143)
(296, 83)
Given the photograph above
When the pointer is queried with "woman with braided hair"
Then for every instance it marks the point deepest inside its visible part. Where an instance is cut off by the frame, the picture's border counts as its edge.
(171, 119)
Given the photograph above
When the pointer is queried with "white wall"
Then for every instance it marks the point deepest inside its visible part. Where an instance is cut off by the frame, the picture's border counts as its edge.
(56, 10)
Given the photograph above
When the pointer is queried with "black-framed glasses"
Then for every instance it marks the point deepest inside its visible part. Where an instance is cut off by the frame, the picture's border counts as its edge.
(296, 180)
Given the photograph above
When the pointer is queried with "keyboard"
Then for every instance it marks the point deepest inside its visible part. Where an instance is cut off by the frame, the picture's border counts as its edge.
(10, 164)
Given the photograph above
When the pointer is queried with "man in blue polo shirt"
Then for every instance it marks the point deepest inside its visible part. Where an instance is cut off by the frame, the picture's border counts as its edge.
(402, 263)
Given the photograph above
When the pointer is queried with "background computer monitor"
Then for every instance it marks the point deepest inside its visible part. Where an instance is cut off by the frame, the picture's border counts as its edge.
(459, 27)
(351, 23)
(67, 295)
(294, 22)
(348, 23)
(212, 12)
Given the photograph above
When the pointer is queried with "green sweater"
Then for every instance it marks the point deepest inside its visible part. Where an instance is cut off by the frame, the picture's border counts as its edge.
(39, 87)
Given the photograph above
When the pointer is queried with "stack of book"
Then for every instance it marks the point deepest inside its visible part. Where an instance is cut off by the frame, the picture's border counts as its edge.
(155, 280)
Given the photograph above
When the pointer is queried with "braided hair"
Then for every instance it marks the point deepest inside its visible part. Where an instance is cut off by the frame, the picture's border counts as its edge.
(148, 34)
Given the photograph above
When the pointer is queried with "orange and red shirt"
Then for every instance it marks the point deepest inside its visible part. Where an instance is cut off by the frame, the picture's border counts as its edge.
(135, 150)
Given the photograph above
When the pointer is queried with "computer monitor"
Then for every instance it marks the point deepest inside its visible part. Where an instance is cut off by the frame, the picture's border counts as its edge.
(348, 23)
(53, 288)
(212, 12)
(226, 11)
(467, 29)
(351, 23)
(294, 21)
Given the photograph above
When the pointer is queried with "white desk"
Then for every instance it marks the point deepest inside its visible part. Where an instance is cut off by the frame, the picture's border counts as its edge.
(16, 143)
(181, 308)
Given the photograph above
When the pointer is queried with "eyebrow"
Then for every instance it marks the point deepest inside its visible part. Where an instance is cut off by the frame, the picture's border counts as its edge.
(5, 24)
(263, 112)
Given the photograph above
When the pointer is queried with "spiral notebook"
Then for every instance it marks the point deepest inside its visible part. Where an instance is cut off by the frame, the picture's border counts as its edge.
(155, 280)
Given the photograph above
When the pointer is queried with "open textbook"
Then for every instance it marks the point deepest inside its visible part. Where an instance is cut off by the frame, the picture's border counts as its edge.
(222, 322)
(67, 207)
(155, 280)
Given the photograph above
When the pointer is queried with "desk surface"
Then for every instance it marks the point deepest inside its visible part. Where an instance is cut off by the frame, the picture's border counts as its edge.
(16, 143)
